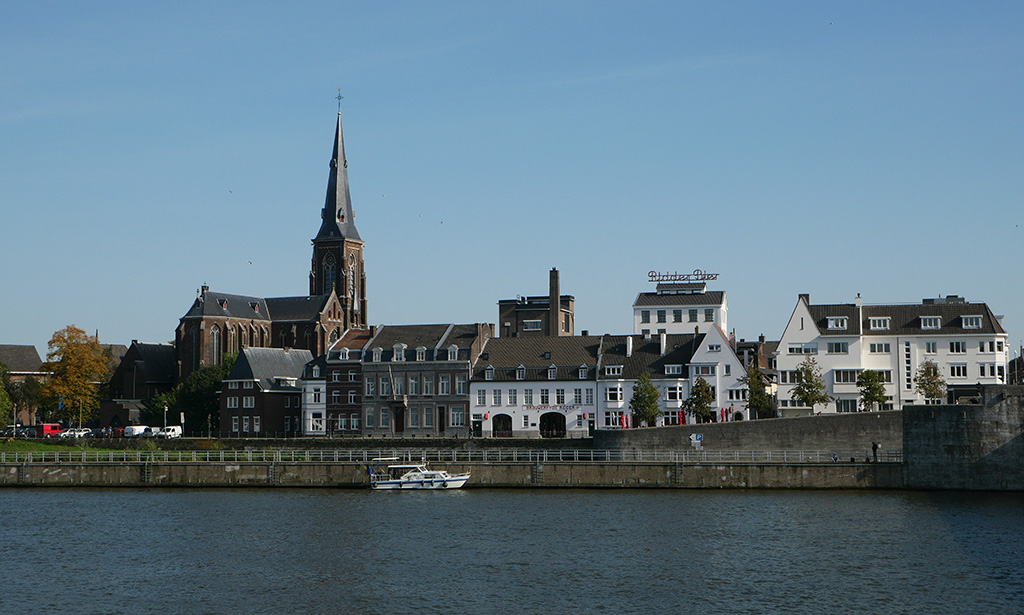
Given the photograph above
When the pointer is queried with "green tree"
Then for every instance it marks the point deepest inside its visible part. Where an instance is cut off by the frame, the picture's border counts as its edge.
(872, 389)
(77, 363)
(197, 396)
(699, 402)
(644, 403)
(810, 388)
(5, 399)
(759, 400)
(928, 380)
(25, 395)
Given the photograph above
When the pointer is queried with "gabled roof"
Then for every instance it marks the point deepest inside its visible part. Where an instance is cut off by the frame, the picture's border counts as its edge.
(413, 336)
(715, 297)
(20, 359)
(265, 365)
(905, 319)
(537, 354)
(353, 340)
(646, 356)
(159, 361)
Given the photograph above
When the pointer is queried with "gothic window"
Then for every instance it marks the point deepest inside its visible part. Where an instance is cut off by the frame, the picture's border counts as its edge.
(330, 273)
(245, 337)
(352, 286)
(194, 334)
(215, 345)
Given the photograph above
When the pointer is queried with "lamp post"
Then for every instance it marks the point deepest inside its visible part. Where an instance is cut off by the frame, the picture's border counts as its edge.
(165, 416)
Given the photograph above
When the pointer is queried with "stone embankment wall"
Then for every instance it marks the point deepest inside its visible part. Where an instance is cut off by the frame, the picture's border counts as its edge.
(855, 431)
(967, 447)
(489, 474)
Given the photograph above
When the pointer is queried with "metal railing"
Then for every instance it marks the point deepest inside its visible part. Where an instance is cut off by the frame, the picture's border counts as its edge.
(456, 456)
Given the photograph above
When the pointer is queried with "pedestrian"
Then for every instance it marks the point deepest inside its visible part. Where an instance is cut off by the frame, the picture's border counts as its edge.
(874, 451)
(835, 458)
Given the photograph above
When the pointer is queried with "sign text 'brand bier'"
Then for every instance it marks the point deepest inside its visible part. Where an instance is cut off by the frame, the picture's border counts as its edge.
(698, 275)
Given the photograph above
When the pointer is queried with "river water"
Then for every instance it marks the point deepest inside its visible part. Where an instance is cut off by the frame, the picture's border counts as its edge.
(509, 551)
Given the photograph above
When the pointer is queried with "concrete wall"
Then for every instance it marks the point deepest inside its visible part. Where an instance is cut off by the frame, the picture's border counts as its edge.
(838, 432)
(967, 447)
(593, 475)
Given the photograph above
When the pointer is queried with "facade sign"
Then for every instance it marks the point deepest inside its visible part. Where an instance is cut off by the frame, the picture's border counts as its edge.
(698, 275)
(563, 408)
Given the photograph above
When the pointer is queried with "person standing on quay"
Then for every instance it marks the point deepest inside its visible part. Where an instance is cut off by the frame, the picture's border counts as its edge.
(874, 451)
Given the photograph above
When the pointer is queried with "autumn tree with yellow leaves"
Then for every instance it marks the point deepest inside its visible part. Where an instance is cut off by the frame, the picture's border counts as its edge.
(78, 366)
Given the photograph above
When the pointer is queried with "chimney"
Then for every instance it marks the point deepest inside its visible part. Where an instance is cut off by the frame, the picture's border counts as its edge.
(629, 345)
(760, 338)
(664, 342)
(554, 304)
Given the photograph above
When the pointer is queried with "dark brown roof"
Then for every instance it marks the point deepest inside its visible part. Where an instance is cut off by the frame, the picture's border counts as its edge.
(20, 359)
(714, 297)
(646, 356)
(537, 354)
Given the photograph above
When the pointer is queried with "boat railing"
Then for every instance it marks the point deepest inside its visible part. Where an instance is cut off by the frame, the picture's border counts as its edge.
(457, 456)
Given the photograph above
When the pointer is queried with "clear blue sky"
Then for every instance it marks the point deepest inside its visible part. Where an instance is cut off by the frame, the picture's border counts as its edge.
(828, 148)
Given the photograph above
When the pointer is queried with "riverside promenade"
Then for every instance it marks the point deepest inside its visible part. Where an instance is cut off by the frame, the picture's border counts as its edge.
(519, 468)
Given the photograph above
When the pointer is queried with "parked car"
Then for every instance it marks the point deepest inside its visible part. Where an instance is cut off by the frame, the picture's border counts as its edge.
(134, 431)
(171, 431)
(151, 432)
(75, 432)
(47, 430)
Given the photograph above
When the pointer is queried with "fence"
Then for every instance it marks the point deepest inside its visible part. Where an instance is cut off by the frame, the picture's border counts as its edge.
(454, 456)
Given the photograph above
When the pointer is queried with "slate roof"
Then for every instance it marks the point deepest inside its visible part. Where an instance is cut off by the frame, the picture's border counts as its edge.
(296, 308)
(159, 360)
(265, 365)
(905, 319)
(567, 354)
(20, 359)
(714, 297)
(646, 356)
(213, 303)
(338, 216)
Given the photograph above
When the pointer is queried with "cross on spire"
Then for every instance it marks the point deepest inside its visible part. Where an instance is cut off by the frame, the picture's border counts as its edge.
(338, 98)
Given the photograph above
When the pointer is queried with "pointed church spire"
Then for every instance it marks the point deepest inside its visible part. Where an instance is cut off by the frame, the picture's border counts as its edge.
(338, 217)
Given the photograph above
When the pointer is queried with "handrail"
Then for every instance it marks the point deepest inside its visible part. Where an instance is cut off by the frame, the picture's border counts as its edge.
(514, 455)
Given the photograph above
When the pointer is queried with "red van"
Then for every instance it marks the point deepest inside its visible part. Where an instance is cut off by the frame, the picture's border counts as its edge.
(47, 430)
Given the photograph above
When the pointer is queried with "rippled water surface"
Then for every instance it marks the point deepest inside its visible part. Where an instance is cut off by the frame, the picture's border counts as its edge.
(510, 551)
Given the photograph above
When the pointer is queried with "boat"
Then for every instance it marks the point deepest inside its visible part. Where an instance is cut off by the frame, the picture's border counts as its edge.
(386, 475)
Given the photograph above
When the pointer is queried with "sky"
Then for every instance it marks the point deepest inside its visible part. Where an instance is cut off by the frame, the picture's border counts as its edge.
(828, 148)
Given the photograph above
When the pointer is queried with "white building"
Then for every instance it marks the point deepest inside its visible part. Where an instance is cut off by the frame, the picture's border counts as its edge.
(677, 308)
(528, 387)
(674, 363)
(966, 340)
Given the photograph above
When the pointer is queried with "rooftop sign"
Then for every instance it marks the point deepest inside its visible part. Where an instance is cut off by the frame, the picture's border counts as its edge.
(698, 275)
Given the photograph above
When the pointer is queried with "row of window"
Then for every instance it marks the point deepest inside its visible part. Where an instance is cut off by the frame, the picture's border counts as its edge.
(931, 347)
(579, 397)
(839, 323)
(677, 315)
(415, 416)
(444, 385)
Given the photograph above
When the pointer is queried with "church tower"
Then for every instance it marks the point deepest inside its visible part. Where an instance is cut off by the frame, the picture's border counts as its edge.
(337, 248)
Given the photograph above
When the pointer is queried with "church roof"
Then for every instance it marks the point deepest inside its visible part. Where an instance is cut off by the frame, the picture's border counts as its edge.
(338, 217)
(296, 308)
(212, 303)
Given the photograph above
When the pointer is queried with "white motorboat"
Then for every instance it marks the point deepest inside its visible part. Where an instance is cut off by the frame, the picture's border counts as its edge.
(386, 475)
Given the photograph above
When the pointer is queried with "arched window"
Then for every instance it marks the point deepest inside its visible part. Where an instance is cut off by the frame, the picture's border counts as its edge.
(353, 288)
(330, 273)
(194, 338)
(215, 345)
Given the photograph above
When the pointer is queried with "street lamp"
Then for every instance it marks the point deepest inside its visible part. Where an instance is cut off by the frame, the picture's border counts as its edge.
(165, 416)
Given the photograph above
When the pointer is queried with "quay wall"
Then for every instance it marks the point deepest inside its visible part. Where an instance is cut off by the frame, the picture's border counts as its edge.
(484, 474)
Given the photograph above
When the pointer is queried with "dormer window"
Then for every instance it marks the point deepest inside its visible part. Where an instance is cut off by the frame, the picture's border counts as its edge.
(583, 372)
(421, 354)
(879, 324)
(399, 353)
(453, 353)
(612, 370)
(376, 354)
(489, 373)
(520, 373)
(552, 372)
(971, 322)
(343, 354)
(837, 323)
(316, 371)
(931, 322)
(673, 370)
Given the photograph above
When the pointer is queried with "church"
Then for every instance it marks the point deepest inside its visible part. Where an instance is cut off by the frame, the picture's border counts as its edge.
(218, 324)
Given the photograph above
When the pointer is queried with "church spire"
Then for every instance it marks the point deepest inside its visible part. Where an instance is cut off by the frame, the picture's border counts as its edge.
(338, 217)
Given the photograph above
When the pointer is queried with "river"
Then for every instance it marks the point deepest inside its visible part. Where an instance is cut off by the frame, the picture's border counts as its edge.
(510, 551)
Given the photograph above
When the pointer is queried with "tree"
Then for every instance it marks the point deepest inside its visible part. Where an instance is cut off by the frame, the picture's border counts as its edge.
(699, 402)
(25, 395)
(5, 399)
(872, 389)
(810, 388)
(197, 396)
(929, 381)
(77, 364)
(759, 400)
(644, 403)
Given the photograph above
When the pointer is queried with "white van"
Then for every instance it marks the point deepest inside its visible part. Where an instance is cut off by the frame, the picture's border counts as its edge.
(171, 431)
(134, 431)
